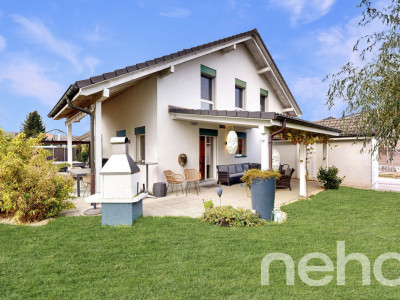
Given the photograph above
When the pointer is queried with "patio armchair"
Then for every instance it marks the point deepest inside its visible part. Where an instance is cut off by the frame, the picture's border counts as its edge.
(174, 180)
(86, 181)
(284, 181)
(192, 176)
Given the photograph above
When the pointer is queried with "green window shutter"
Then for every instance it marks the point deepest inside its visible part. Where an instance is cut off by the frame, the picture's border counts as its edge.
(240, 83)
(208, 132)
(140, 130)
(263, 92)
(208, 71)
(121, 133)
(241, 135)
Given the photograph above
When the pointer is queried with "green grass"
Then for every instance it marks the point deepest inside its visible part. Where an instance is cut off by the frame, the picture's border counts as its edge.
(173, 258)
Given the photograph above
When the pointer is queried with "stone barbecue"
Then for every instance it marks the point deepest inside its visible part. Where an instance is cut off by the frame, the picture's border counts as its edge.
(121, 201)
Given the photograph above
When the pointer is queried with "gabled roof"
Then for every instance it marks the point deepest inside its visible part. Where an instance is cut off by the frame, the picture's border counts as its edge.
(149, 63)
(74, 88)
(348, 125)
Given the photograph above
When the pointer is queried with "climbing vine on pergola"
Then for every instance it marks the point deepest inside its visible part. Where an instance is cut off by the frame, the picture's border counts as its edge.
(298, 136)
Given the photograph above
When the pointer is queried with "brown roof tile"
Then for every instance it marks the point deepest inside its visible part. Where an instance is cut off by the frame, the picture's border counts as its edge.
(119, 72)
(348, 125)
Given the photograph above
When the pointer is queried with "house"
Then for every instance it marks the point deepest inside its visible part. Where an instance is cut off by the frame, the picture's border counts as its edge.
(186, 103)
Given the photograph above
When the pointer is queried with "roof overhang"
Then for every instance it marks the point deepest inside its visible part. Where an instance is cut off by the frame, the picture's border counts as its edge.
(85, 93)
(248, 119)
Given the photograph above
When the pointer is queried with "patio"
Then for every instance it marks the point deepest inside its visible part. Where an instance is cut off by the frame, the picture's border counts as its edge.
(192, 204)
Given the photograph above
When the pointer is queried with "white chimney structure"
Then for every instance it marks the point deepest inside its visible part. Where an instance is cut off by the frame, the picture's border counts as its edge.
(121, 202)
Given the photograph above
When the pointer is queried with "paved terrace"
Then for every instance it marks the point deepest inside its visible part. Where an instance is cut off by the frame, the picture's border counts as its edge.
(192, 204)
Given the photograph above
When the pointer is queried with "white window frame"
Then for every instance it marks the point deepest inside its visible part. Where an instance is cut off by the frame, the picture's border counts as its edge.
(138, 147)
(243, 98)
(212, 102)
(244, 148)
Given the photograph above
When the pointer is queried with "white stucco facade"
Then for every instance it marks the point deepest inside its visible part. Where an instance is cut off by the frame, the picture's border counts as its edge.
(146, 104)
(358, 169)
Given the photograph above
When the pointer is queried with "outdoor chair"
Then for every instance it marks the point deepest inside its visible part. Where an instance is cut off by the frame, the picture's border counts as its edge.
(85, 182)
(192, 177)
(284, 181)
(174, 180)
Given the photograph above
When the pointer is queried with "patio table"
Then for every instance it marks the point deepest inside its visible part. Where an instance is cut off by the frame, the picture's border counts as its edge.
(79, 173)
(147, 164)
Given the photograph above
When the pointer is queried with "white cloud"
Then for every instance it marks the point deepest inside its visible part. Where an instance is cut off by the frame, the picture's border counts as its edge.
(308, 88)
(327, 50)
(27, 78)
(3, 43)
(178, 13)
(91, 62)
(37, 32)
(311, 94)
(335, 44)
(304, 11)
(94, 36)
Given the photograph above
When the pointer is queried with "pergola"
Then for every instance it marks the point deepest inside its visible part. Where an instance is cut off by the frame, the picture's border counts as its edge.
(263, 121)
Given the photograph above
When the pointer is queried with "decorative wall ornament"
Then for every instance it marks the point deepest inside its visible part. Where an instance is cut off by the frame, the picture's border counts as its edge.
(182, 159)
(276, 159)
(232, 142)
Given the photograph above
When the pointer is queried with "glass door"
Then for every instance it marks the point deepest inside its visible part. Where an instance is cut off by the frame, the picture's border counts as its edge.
(206, 157)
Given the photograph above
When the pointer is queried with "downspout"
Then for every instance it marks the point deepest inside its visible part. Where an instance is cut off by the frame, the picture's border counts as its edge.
(92, 165)
(270, 140)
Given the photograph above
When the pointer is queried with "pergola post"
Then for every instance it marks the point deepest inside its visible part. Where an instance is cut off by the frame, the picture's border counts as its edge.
(264, 141)
(325, 155)
(69, 144)
(98, 146)
(314, 161)
(302, 171)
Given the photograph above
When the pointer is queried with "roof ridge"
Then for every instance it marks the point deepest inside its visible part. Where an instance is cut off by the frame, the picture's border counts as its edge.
(157, 60)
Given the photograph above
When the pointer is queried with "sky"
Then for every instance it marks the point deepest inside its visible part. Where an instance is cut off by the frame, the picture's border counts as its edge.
(47, 45)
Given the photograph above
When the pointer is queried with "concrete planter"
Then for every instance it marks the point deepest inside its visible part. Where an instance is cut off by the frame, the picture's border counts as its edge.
(263, 197)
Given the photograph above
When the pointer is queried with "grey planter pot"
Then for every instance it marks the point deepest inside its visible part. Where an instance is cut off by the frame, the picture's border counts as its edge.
(263, 197)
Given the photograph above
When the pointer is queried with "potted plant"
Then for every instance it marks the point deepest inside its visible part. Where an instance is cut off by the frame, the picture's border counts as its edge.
(262, 186)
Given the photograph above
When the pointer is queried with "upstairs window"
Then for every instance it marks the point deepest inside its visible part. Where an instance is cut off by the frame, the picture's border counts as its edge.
(263, 100)
(207, 87)
(240, 87)
(262, 103)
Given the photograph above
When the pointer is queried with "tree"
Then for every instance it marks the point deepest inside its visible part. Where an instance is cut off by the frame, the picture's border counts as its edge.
(33, 125)
(371, 88)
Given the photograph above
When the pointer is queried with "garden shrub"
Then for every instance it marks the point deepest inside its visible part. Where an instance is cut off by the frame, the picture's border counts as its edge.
(30, 187)
(232, 217)
(329, 177)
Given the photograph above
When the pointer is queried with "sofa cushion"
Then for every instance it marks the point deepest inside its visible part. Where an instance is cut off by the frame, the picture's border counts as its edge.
(246, 167)
(232, 169)
(234, 175)
(239, 168)
(222, 168)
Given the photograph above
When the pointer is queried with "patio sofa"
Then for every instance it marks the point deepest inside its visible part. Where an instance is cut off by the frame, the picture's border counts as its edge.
(229, 174)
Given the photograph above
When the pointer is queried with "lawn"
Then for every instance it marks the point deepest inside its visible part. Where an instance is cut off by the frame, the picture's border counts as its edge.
(76, 257)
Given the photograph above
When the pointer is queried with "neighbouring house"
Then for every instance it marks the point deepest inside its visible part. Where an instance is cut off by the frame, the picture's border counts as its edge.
(186, 103)
(56, 142)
